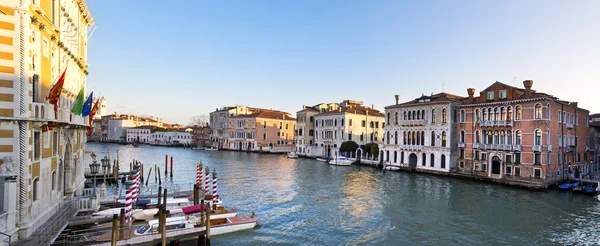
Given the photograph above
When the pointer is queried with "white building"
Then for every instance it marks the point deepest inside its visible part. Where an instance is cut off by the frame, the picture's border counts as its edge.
(421, 133)
(305, 128)
(117, 125)
(172, 137)
(140, 134)
(349, 122)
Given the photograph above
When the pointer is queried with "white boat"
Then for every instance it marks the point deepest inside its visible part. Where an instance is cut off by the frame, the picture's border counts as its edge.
(218, 226)
(211, 149)
(292, 155)
(149, 214)
(321, 160)
(391, 168)
(341, 161)
(171, 203)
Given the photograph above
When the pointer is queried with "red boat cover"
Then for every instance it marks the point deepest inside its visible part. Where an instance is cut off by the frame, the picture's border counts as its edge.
(191, 209)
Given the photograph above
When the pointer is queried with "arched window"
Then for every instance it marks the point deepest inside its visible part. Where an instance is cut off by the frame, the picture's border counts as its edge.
(496, 114)
(396, 118)
(35, 189)
(401, 156)
(548, 112)
(538, 111)
(496, 136)
(423, 113)
(409, 138)
(433, 116)
(509, 137)
(477, 136)
(538, 137)
(424, 159)
(418, 114)
(509, 112)
(414, 115)
(462, 136)
(443, 161)
(484, 114)
(518, 137)
(518, 113)
(431, 160)
(490, 137)
(477, 114)
(502, 137)
(423, 138)
(404, 134)
(54, 180)
(490, 114)
(484, 137)
(388, 138)
(443, 139)
(404, 115)
(395, 156)
(462, 115)
(388, 118)
(418, 138)
(409, 115)
(432, 138)
(414, 140)
(444, 116)
(396, 137)
(502, 114)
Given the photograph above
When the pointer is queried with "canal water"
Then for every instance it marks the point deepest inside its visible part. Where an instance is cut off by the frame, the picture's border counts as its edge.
(305, 202)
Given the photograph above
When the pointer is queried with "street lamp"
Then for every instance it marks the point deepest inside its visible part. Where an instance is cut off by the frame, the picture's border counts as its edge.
(104, 167)
(94, 170)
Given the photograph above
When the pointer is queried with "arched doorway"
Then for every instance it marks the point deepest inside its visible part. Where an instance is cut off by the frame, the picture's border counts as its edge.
(412, 160)
(496, 165)
(68, 176)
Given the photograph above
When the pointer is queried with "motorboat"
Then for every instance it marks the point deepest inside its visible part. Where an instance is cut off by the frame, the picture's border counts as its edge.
(217, 226)
(292, 155)
(391, 168)
(321, 160)
(567, 186)
(145, 204)
(218, 213)
(341, 161)
(211, 149)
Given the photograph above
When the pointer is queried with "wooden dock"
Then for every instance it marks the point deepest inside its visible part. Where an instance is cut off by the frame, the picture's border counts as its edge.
(154, 239)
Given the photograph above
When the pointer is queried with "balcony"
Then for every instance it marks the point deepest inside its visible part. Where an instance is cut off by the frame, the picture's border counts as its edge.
(413, 122)
(461, 145)
(549, 148)
(536, 148)
(491, 123)
(42, 111)
(569, 126)
(517, 147)
(412, 147)
(506, 147)
(476, 146)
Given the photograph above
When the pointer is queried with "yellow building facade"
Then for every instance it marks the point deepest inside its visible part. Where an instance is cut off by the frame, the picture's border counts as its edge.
(41, 154)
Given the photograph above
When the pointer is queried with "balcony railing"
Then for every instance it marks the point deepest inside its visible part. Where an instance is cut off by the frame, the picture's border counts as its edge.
(461, 145)
(490, 123)
(517, 147)
(536, 148)
(569, 126)
(476, 146)
(42, 111)
(413, 122)
(412, 147)
(549, 148)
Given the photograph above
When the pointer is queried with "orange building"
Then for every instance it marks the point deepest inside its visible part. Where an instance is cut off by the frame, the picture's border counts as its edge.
(515, 133)
(269, 131)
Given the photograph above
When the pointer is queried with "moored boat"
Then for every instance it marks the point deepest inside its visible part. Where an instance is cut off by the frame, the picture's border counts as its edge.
(292, 155)
(321, 160)
(341, 161)
(391, 168)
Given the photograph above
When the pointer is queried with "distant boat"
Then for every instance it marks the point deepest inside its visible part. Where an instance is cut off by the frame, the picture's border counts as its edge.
(341, 161)
(211, 149)
(321, 160)
(391, 168)
(135, 145)
(292, 155)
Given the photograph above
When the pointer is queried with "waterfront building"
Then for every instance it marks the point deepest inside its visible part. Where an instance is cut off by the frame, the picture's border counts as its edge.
(96, 131)
(267, 130)
(140, 134)
(41, 154)
(161, 136)
(350, 120)
(117, 125)
(219, 122)
(421, 133)
(514, 133)
(102, 108)
(201, 136)
(593, 140)
(305, 128)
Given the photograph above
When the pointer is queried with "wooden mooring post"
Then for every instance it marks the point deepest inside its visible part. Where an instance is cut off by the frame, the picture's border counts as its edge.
(166, 164)
(115, 224)
(171, 167)
(149, 173)
(122, 224)
(207, 242)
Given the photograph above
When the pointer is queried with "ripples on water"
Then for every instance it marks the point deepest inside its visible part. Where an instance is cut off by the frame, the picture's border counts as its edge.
(305, 202)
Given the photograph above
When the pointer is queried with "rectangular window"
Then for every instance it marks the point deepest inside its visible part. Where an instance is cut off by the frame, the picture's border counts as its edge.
(517, 171)
(508, 158)
(54, 143)
(558, 158)
(508, 170)
(311, 133)
(578, 157)
(547, 158)
(559, 116)
(45, 48)
(483, 157)
(517, 159)
(490, 95)
(537, 172)
(343, 122)
(265, 124)
(502, 94)
(350, 122)
(364, 123)
(264, 136)
(476, 154)
(37, 148)
(462, 153)
(563, 117)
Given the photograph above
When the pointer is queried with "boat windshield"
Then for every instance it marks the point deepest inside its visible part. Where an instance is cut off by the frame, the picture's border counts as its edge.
(143, 229)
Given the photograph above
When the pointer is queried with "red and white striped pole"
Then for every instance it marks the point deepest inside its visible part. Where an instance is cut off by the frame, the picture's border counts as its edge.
(214, 179)
(207, 181)
(128, 201)
(136, 183)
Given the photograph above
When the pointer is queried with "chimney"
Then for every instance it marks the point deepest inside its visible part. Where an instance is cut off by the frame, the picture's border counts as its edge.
(471, 92)
(397, 98)
(372, 106)
(528, 84)
(303, 106)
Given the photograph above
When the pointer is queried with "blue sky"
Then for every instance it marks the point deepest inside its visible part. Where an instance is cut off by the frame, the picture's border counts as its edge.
(175, 60)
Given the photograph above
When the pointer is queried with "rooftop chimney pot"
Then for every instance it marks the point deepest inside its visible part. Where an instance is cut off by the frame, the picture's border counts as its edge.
(528, 84)
(397, 98)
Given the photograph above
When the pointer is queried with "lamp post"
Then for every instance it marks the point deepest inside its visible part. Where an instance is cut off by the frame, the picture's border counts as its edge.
(94, 170)
(104, 167)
